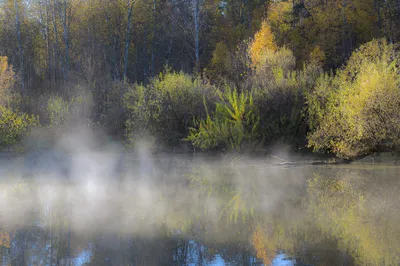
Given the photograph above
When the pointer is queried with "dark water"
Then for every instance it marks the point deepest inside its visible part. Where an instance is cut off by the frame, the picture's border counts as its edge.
(94, 210)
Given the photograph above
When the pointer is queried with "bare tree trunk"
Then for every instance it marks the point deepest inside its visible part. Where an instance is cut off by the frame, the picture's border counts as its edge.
(56, 49)
(344, 29)
(66, 37)
(171, 39)
(115, 58)
(145, 73)
(20, 50)
(153, 39)
(377, 6)
(127, 36)
(48, 43)
(398, 8)
(196, 24)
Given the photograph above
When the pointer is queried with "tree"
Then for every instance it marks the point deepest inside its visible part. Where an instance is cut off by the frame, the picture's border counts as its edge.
(131, 4)
(262, 45)
(7, 80)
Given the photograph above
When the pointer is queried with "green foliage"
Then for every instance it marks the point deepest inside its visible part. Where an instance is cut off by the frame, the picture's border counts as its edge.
(14, 126)
(356, 111)
(233, 125)
(165, 108)
(61, 111)
(58, 110)
(143, 105)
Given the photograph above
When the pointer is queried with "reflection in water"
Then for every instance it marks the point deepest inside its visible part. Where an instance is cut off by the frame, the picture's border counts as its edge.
(204, 214)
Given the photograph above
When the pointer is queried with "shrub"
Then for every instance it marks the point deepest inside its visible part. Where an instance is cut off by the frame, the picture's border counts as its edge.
(58, 110)
(233, 125)
(111, 111)
(356, 111)
(14, 126)
(279, 93)
(166, 107)
(61, 111)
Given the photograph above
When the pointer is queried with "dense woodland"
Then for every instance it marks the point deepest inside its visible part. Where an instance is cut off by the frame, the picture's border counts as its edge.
(214, 75)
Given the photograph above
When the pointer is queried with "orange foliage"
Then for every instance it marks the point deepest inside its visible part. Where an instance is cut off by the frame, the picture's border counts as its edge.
(263, 43)
(6, 74)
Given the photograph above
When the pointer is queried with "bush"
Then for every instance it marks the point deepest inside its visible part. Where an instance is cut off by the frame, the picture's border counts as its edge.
(166, 107)
(356, 111)
(14, 126)
(61, 111)
(58, 110)
(233, 125)
(279, 93)
(111, 112)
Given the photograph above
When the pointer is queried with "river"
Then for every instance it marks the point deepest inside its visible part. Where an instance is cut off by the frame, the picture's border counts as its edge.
(91, 209)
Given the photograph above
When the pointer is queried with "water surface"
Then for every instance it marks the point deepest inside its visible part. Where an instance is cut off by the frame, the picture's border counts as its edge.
(99, 209)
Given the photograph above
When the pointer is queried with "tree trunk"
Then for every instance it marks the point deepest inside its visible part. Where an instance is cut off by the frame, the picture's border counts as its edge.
(48, 43)
(196, 24)
(153, 39)
(398, 8)
(66, 38)
(20, 50)
(56, 49)
(128, 37)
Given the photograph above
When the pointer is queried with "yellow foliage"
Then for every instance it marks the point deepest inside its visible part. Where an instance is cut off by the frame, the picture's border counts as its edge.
(15, 125)
(262, 45)
(357, 110)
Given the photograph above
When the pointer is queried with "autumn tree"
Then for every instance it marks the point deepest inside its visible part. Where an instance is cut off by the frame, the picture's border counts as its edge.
(262, 45)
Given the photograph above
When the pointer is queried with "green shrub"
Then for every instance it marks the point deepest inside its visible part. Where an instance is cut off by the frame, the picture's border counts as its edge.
(61, 111)
(165, 108)
(233, 125)
(14, 126)
(58, 110)
(144, 107)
